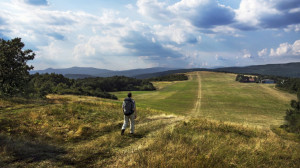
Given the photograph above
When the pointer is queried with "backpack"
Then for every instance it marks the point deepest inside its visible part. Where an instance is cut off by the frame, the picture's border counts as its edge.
(128, 106)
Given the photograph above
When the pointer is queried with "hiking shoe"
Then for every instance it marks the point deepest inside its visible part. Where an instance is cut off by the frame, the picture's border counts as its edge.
(122, 132)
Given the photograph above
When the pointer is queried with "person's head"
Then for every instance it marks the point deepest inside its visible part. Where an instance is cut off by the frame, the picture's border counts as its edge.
(129, 94)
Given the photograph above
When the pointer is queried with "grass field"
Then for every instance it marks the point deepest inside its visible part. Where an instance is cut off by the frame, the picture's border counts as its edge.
(248, 103)
(208, 121)
(171, 97)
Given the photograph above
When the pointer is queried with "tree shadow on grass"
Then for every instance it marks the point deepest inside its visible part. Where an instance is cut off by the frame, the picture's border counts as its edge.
(20, 150)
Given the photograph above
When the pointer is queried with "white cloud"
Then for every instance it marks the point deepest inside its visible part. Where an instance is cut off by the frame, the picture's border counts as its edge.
(295, 28)
(99, 46)
(263, 52)
(177, 33)
(153, 8)
(199, 13)
(286, 49)
(294, 10)
(183, 32)
(228, 30)
(246, 53)
(250, 11)
(129, 6)
(264, 14)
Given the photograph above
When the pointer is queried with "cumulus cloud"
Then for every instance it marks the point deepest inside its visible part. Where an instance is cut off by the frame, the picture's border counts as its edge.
(295, 28)
(287, 4)
(177, 33)
(202, 14)
(153, 8)
(246, 54)
(142, 45)
(254, 14)
(210, 14)
(181, 33)
(80, 38)
(263, 52)
(286, 49)
(98, 46)
(40, 26)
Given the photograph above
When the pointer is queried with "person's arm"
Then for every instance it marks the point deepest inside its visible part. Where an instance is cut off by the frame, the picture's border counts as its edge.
(123, 105)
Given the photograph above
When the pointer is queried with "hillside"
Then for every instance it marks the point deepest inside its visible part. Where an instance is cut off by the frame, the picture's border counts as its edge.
(209, 120)
(158, 74)
(73, 70)
(284, 70)
(84, 72)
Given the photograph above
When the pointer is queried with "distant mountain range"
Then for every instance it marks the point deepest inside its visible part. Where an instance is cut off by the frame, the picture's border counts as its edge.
(285, 70)
(84, 72)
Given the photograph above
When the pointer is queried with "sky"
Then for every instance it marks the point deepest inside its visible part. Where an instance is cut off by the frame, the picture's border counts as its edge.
(129, 34)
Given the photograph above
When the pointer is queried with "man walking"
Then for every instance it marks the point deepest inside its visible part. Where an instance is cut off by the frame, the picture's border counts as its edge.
(129, 111)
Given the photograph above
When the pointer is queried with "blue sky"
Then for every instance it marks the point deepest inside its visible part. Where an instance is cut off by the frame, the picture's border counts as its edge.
(128, 34)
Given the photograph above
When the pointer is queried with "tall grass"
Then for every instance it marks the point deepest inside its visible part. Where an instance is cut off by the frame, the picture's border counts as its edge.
(70, 130)
(202, 143)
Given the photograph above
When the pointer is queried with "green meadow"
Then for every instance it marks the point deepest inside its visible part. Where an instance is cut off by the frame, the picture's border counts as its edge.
(209, 120)
(170, 97)
(252, 104)
(221, 98)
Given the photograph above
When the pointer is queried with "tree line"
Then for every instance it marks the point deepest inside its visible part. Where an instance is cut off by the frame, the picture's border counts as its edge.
(170, 77)
(43, 84)
(257, 78)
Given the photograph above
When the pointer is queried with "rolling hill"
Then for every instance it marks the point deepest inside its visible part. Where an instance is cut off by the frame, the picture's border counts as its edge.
(284, 70)
(209, 120)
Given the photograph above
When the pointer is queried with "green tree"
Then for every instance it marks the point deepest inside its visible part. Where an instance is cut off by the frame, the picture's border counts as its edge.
(14, 71)
(293, 116)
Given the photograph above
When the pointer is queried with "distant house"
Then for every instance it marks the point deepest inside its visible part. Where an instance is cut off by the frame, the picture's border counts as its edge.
(267, 81)
(251, 80)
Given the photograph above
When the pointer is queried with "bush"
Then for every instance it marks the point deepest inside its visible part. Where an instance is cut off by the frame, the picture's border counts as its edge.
(293, 116)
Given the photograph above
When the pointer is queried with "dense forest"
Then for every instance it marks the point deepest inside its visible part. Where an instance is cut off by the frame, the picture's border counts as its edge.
(43, 84)
(170, 77)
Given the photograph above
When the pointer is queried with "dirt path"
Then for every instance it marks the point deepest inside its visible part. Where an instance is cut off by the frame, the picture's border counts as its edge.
(124, 156)
(197, 108)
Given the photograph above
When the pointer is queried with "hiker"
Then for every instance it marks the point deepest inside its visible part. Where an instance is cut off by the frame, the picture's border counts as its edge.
(129, 111)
